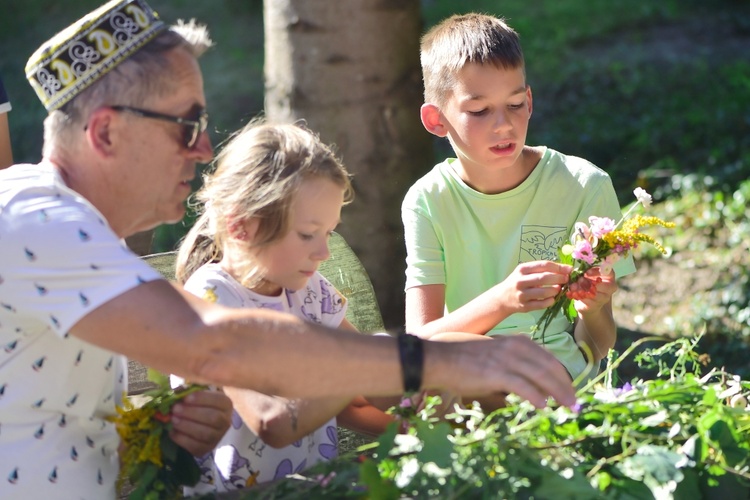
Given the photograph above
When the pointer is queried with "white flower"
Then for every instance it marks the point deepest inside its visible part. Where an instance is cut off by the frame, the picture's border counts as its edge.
(643, 197)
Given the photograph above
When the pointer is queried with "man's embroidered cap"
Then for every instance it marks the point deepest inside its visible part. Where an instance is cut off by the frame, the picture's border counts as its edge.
(85, 51)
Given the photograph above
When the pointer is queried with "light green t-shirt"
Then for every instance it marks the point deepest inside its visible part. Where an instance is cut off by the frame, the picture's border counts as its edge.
(470, 241)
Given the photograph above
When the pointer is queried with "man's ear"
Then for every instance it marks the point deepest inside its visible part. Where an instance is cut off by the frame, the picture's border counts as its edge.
(432, 119)
(100, 131)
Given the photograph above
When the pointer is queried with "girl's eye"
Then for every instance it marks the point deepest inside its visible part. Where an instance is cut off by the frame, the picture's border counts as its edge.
(305, 237)
(516, 106)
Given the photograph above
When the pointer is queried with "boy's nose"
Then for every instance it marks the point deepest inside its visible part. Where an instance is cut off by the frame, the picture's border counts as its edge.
(502, 121)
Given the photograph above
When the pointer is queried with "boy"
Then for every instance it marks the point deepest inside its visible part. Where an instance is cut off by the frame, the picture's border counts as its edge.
(482, 229)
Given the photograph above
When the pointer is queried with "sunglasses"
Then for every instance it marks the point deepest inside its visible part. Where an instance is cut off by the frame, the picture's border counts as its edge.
(193, 128)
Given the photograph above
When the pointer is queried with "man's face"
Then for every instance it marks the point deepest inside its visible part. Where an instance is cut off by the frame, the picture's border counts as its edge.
(156, 176)
(487, 117)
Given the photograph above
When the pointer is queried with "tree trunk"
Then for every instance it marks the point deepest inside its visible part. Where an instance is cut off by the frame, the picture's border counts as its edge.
(350, 69)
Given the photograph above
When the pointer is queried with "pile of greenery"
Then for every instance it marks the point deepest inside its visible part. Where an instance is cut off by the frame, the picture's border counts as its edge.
(681, 435)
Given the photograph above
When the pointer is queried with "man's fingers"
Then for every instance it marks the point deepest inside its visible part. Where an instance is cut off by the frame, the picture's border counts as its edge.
(535, 374)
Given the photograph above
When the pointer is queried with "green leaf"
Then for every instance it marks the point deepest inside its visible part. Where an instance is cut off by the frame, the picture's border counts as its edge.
(143, 486)
(387, 440)
(657, 467)
(169, 449)
(186, 470)
(158, 378)
(378, 488)
(436, 447)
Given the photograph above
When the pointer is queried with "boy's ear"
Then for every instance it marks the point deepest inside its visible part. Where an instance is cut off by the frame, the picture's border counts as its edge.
(529, 99)
(432, 119)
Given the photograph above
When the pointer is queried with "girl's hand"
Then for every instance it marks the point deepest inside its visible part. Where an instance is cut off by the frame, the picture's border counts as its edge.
(200, 420)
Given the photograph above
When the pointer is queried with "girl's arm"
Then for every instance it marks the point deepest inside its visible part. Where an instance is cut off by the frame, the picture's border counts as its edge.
(279, 421)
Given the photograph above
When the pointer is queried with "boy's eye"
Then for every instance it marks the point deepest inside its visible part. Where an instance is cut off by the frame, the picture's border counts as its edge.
(516, 106)
(481, 112)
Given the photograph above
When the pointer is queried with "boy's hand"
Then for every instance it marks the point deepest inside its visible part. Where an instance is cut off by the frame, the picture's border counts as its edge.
(532, 285)
(606, 286)
(200, 420)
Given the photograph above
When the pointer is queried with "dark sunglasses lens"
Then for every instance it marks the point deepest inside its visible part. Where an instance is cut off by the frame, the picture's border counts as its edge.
(194, 131)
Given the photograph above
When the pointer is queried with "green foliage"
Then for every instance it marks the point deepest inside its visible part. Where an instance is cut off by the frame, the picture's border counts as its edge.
(682, 435)
(712, 231)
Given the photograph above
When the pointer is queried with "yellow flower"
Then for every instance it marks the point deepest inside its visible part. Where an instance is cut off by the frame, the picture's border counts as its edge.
(629, 237)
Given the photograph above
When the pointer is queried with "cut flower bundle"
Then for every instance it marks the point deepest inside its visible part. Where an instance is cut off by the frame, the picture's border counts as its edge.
(151, 462)
(601, 243)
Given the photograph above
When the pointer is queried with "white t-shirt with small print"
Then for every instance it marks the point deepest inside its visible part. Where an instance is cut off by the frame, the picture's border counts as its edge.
(59, 260)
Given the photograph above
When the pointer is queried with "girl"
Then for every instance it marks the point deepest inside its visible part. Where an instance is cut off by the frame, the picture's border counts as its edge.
(269, 209)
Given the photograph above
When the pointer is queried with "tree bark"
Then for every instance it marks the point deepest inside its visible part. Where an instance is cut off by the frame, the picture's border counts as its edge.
(351, 70)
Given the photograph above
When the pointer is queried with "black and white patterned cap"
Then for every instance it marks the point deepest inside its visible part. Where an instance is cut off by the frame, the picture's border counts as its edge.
(86, 50)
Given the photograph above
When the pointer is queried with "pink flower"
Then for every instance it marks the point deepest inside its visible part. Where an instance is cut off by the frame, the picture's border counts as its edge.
(583, 251)
(601, 225)
(580, 232)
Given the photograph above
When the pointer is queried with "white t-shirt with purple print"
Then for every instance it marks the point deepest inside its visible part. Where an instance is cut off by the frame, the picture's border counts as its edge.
(242, 459)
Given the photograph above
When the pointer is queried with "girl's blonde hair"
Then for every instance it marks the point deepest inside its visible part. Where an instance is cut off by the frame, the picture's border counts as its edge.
(257, 174)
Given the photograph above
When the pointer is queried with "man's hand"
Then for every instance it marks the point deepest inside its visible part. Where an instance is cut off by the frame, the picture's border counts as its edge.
(499, 365)
(200, 420)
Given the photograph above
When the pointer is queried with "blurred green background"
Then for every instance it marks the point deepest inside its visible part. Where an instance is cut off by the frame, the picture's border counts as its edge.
(655, 92)
(644, 89)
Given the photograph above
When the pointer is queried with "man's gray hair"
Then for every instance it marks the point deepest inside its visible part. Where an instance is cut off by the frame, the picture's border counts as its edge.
(143, 75)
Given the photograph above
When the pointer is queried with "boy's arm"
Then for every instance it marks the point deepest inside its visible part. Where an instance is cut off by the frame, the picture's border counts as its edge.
(531, 286)
(363, 417)
(596, 325)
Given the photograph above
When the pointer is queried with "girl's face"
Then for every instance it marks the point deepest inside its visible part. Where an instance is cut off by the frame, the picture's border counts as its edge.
(291, 261)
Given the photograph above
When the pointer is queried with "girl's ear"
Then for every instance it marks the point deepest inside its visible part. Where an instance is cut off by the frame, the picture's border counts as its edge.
(242, 229)
(432, 120)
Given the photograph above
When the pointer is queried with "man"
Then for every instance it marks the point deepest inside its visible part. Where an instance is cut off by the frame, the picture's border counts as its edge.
(126, 127)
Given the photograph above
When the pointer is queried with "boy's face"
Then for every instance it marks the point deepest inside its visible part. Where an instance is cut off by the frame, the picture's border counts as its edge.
(486, 119)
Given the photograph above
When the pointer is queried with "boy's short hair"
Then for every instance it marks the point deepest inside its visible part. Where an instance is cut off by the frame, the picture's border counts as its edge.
(460, 39)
